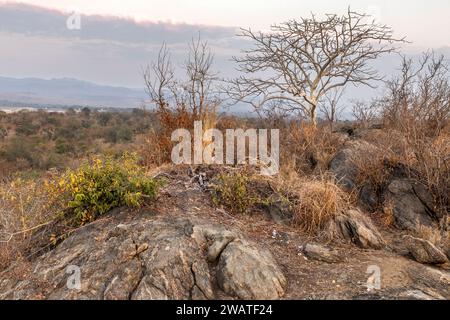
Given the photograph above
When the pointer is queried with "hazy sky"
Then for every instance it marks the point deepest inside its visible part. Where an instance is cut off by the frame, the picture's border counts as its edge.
(118, 37)
(425, 22)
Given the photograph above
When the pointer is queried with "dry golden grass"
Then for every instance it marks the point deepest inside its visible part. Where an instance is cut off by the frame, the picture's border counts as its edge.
(307, 149)
(425, 159)
(371, 168)
(317, 202)
(25, 206)
(431, 234)
(433, 166)
(152, 150)
(388, 218)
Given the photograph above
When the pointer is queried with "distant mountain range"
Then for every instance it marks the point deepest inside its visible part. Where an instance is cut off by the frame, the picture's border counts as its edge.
(67, 92)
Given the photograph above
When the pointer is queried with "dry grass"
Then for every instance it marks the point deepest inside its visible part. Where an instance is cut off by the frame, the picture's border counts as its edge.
(388, 218)
(431, 234)
(371, 168)
(433, 165)
(25, 206)
(307, 149)
(311, 202)
(424, 158)
(317, 202)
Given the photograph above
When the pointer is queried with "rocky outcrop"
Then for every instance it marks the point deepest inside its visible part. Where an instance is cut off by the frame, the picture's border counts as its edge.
(143, 257)
(354, 227)
(411, 204)
(410, 201)
(343, 164)
(249, 273)
(424, 251)
(419, 295)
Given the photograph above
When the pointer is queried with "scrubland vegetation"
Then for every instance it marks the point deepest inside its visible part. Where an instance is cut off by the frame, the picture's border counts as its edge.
(39, 141)
(70, 167)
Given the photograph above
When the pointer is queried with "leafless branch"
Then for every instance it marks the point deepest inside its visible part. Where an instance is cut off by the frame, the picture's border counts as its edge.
(300, 61)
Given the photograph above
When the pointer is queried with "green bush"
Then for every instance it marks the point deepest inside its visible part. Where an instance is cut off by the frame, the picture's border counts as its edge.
(21, 148)
(233, 191)
(62, 146)
(100, 185)
(25, 126)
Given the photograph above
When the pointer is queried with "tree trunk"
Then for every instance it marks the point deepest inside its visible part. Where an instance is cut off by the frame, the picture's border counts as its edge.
(312, 115)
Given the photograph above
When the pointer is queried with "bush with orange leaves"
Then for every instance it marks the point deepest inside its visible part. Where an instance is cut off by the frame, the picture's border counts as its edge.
(156, 147)
(178, 103)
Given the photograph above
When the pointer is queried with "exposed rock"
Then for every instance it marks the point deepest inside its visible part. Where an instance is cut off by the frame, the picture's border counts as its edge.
(420, 295)
(424, 251)
(321, 253)
(279, 212)
(355, 227)
(138, 257)
(411, 201)
(281, 236)
(410, 209)
(368, 198)
(343, 164)
(249, 273)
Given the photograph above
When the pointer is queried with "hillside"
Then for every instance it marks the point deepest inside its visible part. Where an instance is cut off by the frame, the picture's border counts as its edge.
(67, 91)
(189, 244)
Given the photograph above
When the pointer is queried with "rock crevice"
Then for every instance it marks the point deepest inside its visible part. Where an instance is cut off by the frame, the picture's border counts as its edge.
(159, 258)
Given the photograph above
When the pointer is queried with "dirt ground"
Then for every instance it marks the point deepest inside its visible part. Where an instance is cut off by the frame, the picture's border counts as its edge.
(401, 277)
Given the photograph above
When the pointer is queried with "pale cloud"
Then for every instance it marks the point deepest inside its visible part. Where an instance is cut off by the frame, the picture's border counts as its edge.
(106, 49)
(425, 23)
(111, 46)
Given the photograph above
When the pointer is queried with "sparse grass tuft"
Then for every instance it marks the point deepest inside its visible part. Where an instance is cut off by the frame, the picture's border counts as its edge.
(431, 234)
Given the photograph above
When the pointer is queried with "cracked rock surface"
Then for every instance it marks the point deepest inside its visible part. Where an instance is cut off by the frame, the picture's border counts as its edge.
(144, 257)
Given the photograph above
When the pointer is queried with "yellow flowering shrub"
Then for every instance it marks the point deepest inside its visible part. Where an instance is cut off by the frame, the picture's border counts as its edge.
(100, 185)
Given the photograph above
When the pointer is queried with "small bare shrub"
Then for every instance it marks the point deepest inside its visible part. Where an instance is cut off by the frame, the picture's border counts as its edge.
(180, 102)
(364, 113)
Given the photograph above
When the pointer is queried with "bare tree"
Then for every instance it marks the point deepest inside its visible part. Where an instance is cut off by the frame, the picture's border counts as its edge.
(199, 86)
(364, 113)
(195, 94)
(159, 79)
(330, 107)
(299, 62)
(420, 94)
